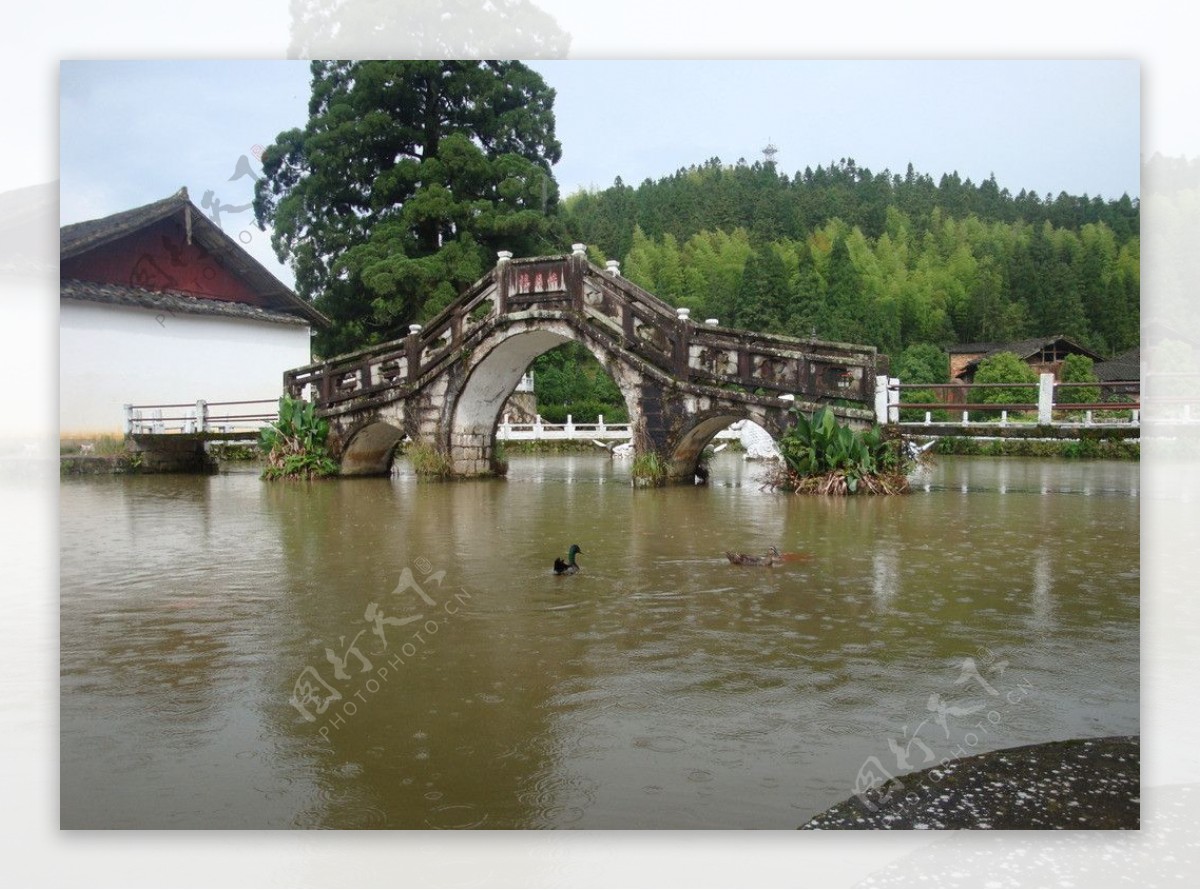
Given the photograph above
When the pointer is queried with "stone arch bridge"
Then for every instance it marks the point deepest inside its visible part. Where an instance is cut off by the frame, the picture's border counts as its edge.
(683, 382)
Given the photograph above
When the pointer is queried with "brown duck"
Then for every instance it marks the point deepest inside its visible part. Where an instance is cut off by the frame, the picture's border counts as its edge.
(771, 557)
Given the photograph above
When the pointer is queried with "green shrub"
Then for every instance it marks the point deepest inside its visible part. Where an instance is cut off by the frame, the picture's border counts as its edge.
(1005, 367)
(922, 363)
(1103, 449)
(1077, 369)
(295, 444)
(584, 412)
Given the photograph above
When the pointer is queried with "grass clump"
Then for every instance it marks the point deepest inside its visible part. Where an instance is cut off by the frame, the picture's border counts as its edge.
(649, 470)
(428, 462)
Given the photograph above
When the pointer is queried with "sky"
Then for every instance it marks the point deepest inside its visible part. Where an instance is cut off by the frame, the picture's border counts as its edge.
(134, 132)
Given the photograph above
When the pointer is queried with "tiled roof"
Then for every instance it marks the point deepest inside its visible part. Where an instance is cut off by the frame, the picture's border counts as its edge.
(79, 238)
(1126, 366)
(170, 302)
(1022, 348)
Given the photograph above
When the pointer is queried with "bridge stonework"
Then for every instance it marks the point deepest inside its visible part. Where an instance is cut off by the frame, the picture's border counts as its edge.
(444, 385)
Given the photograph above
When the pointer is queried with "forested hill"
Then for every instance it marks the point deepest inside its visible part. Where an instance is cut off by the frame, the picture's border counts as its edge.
(876, 258)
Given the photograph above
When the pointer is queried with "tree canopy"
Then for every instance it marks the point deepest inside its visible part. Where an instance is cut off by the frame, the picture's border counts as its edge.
(406, 180)
(843, 253)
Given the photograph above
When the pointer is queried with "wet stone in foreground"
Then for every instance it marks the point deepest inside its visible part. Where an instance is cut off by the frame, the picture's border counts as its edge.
(1082, 783)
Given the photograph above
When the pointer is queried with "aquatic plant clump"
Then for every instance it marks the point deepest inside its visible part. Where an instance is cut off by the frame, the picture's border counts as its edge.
(428, 462)
(295, 444)
(822, 456)
(648, 471)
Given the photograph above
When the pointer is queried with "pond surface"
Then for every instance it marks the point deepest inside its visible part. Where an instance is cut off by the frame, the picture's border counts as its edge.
(384, 653)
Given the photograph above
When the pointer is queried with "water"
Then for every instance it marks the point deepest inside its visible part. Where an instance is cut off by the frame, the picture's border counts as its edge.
(659, 688)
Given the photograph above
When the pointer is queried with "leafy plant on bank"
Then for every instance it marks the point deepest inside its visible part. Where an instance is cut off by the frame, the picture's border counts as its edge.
(295, 444)
(822, 456)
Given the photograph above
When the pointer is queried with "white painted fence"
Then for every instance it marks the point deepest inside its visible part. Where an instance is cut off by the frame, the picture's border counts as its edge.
(201, 416)
(541, 431)
(888, 405)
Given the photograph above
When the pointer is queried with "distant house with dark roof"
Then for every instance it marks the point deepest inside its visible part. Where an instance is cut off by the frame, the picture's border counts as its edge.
(158, 305)
(1124, 368)
(1044, 354)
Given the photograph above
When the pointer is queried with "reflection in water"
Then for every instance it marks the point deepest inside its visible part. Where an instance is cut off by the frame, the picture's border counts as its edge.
(886, 577)
(1042, 614)
(659, 687)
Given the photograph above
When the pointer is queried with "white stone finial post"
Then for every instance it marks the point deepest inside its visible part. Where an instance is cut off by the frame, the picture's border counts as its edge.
(881, 398)
(414, 329)
(503, 256)
(682, 313)
(711, 322)
(614, 268)
(579, 249)
(1045, 398)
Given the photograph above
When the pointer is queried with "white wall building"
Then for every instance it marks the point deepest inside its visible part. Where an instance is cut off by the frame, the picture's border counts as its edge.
(159, 306)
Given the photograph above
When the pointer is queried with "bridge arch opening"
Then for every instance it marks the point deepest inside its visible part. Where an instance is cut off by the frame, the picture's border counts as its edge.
(687, 458)
(371, 449)
(494, 377)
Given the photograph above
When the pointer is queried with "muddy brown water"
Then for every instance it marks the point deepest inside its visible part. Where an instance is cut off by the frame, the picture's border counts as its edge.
(385, 653)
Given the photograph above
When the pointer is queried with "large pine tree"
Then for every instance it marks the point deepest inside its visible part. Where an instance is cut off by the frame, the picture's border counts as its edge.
(407, 178)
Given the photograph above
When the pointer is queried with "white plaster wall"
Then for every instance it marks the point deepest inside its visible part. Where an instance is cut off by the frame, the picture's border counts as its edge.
(112, 355)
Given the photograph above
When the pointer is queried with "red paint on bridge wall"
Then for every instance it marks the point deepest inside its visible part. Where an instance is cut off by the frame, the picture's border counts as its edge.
(160, 258)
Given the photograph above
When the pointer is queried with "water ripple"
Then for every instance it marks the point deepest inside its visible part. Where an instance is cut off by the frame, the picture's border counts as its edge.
(662, 744)
(456, 816)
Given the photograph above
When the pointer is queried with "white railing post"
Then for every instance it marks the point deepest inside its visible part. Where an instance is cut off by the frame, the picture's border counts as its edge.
(1045, 398)
(966, 418)
(1087, 418)
(537, 426)
(201, 416)
(893, 407)
(569, 428)
(1135, 416)
(1004, 418)
(128, 419)
(928, 418)
(600, 423)
(881, 398)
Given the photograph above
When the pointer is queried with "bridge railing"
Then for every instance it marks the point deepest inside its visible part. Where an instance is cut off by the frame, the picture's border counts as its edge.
(200, 416)
(724, 357)
(378, 369)
(663, 336)
(1123, 410)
